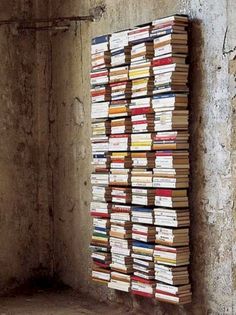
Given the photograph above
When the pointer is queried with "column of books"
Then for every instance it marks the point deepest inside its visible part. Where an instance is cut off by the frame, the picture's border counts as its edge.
(139, 89)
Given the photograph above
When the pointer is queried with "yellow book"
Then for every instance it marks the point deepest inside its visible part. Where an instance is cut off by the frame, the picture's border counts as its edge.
(164, 260)
(141, 81)
(141, 143)
(119, 154)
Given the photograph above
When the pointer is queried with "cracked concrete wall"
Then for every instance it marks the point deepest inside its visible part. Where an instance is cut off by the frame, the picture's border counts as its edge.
(24, 221)
(212, 142)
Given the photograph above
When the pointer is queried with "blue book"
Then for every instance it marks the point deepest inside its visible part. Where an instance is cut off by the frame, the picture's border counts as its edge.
(100, 229)
(99, 156)
(167, 95)
(142, 209)
(100, 39)
(117, 52)
(143, 245)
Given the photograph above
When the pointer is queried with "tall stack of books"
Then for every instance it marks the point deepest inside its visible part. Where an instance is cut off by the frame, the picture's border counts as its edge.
(120, 242)
(140, 144)
(171, 172)
(100, 207)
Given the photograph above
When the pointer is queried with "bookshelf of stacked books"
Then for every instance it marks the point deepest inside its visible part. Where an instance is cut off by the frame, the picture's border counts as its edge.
(139, 91)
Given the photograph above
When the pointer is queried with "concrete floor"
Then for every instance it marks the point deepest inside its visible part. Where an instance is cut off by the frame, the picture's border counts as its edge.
(55, 303)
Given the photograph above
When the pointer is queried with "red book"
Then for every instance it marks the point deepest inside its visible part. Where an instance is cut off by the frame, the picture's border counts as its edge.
(135, 278)
(98, 74)
(139, 30)
(165, 138)
(164, 192)
(166, 293)
(99, 214)
(117, 160)
(118, 83)
(120, 102)
(139, 111)
(140, 233)
(118, 196)
(101, 265)
(98, 93)
(162, 61)
(119, 136)
(139, 122)
(120, 209)
(166, 249)
(142, 293)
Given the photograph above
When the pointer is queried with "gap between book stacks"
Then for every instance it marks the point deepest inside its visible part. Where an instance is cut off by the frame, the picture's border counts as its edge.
(140, 147)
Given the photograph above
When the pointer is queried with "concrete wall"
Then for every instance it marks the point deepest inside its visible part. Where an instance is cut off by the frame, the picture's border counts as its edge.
(45, 153)
(213, 272)
(24, 221)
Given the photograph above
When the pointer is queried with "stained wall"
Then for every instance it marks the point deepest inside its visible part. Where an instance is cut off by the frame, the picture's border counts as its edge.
(212, 206)
(24, 218)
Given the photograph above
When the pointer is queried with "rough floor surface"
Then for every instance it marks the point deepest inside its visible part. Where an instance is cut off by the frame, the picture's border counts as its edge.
(57, 303)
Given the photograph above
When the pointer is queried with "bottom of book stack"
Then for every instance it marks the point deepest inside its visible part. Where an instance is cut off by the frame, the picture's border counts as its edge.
(120, 281)
(173, 294)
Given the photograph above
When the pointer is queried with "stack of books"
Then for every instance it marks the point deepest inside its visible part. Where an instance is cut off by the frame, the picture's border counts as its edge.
(100, 93)
(100, 248)
(170, 178)
(120, 281)
(141, 196)
(139, 106)
(119, 142)
(120, 48)
(140, 146)
(172, 256)
(141, 142)
(172, 237)
(143, 123)
(102, 193)
(142, 87)
(100, 53)
(171, 198)
(172, 120)
(172, 159)
(143, 233)
(143, 159)
(141, 178)
(120, 177)
(120, 90)
(141, 53)
(100, 207)
(143, 280)
(119, 74)
(120, 242)
(144, 215)
(140, 33)
(100, 110)
(171, 140)
(119, 108)
(120, 160)
(121, 125)
(172, 217)
(101, 161)
(168, 25)
(100, 178)
(169, 102)
(172, 275)
(173, 294)
(101, 127)
(121, 195)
